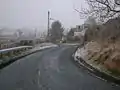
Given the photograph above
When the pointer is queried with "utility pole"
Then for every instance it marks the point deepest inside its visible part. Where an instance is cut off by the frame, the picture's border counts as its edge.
(48, 23)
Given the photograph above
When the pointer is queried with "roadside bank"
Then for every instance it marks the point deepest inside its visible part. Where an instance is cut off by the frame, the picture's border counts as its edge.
(88, 59)
(37, 48)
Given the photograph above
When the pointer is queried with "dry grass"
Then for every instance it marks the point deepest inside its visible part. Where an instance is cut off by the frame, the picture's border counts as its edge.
(104, 44)
(106, 54)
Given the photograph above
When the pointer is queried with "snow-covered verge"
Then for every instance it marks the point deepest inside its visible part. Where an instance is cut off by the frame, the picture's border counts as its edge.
(43, 46)
(106, 58)
(36, 48)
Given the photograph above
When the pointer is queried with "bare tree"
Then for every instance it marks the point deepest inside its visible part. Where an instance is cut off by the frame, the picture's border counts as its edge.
(101, 9)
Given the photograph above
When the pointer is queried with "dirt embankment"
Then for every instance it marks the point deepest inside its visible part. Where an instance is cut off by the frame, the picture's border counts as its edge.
(108, 56)
(104, 45)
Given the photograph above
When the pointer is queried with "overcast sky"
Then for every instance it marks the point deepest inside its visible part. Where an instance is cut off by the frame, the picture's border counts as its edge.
(33, 13)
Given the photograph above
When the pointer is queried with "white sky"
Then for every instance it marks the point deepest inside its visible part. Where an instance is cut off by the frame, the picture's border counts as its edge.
(33, 13)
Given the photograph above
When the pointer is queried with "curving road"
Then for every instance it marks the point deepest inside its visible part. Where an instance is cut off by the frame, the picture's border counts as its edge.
(50, 69)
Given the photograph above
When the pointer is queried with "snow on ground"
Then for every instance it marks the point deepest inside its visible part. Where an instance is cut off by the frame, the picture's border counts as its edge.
(95, 55)
(85, 51)
(43, 46)
(72, 44)
(81, 53)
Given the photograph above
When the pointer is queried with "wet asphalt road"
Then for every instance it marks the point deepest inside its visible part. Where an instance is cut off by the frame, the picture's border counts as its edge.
(50, 69)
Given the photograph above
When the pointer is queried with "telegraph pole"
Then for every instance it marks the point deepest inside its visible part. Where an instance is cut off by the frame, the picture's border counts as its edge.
(48, 24)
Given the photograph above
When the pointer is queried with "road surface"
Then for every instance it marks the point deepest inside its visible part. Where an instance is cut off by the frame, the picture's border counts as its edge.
(50, 69)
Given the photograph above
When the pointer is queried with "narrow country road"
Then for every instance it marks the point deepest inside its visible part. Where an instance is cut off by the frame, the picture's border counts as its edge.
(50, 69)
